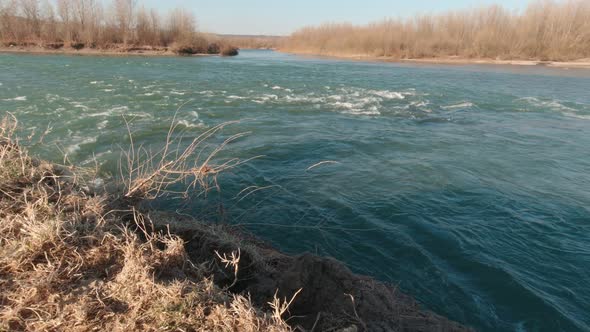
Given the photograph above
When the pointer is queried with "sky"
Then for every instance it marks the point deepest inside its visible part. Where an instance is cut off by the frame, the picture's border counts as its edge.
(282, 17)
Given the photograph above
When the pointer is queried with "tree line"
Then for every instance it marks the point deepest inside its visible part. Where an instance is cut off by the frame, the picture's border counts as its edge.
(546, 30)
(96, 24)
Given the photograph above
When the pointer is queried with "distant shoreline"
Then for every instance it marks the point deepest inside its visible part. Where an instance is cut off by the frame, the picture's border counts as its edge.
(453, 60)
(166, 52)
(96, 51)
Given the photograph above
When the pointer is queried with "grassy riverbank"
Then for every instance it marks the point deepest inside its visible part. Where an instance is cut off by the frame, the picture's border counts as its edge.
(75, 256)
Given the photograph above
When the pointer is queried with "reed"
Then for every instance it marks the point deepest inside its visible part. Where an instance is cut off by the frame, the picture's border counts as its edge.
(546, 30)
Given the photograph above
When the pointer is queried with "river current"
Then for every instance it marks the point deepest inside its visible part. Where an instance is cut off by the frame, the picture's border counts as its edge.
(467, 186)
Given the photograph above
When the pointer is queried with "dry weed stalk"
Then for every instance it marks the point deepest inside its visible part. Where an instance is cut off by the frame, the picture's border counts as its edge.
(149, 175)
(280, 307)
(234, 261)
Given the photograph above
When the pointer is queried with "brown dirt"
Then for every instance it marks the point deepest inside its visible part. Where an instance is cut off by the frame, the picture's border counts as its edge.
(332, 297)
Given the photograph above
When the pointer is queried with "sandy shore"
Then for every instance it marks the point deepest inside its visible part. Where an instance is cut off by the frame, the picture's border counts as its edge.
(454, 60)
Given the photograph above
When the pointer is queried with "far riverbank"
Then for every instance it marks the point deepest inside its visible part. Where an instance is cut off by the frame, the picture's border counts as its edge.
(452, 60)
(119, 51)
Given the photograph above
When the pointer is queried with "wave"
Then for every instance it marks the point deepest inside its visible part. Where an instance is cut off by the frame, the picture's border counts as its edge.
(388, 94)
(235, 97)
(111, 111)
(81, 141)
(80, 105)
(21, 98)
(551, 104)
(188, 124)
(576, 116)
(102, 125)
(349, 100)
(460, 105)
(576, 111)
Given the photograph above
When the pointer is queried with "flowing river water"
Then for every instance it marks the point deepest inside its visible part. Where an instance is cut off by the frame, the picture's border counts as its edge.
(468, 186)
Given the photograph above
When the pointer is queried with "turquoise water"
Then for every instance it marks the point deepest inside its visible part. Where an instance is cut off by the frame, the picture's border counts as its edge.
(466, 185)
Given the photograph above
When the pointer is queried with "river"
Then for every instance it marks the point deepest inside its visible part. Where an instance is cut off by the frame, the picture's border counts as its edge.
(468, 186)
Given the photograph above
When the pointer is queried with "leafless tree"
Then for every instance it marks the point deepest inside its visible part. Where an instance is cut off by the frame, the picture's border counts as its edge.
(64, 10)
(30, 9)
(124, 13)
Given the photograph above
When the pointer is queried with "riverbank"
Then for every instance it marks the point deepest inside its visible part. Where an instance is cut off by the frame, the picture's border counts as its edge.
(119, 51)
(76, 256)
(454, 60)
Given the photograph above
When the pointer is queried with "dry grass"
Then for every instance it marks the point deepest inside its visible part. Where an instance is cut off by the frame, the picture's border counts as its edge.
(151, 174)
(251, 42)
(68, 263)
(546, 30)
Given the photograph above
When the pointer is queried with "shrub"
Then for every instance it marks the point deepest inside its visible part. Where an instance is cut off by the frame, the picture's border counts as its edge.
(213, 48)
(54, 46)
(77, 45)
(229, 51)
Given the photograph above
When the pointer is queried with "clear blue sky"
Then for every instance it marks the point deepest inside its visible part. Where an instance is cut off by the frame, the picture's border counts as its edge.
(281, 17)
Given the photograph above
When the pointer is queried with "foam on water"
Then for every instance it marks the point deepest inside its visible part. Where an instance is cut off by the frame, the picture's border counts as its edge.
(110, 111)
(387, 94)
(102, 125)
(554, 105)
(576, 116)
(207, 93)
(78, 141)
(80, 105)
(187, 124)
(21, 98)
(349, 100)
(235, 97)
(460, 105)
(581, 111)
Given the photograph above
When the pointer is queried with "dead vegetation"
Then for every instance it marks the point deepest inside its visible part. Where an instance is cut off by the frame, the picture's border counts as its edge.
(546, 30)
(123, 25)
(70, 263)
(252, 42)
(74, 258)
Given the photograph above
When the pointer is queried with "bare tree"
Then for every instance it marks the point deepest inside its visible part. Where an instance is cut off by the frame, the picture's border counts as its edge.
(64, 10)
(156, 29)
(49, 31)
(143, 27)
(30, 10)
(7, 24)
(83, 23)
(124, 13)
(181, 26)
